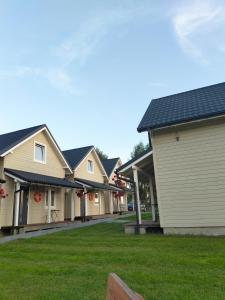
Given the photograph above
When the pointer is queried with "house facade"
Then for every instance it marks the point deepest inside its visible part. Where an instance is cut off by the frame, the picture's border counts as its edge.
(187, 134)
(33, 170)
(88, 171)
(117, 199)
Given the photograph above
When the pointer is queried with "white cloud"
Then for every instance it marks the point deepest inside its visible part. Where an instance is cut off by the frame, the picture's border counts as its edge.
(19, 72)
(86, 40)
(61, 80)
(194, 22)
(81, 45)
(57, 77)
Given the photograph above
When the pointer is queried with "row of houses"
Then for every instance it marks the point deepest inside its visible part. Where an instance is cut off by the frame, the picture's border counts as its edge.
(185, 165)
(41, 184)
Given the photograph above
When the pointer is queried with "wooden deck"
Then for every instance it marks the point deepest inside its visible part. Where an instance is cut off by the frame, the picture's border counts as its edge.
(145, 227)
(6, 230)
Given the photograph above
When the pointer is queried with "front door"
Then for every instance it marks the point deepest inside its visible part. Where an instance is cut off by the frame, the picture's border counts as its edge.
(23, 209)
(82, 206)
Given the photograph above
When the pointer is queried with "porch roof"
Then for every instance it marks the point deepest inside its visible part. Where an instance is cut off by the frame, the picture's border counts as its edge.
(94, 184)
(116, 188)
(143, 162)
(33, 178)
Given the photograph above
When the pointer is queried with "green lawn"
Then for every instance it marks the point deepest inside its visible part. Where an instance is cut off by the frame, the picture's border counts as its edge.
(75, 265)
(132, 217)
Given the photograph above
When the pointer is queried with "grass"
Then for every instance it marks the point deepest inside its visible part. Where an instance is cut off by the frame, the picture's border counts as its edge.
(132, 217)
(75, 265)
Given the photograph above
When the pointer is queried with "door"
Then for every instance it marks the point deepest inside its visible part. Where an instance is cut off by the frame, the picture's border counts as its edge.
(23, 209)
(82, 206)
(67, 207)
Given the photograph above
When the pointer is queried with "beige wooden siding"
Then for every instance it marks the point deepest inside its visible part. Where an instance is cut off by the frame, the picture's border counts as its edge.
(1, 167)
(22, 158)
(37, 212)
(82, 172)
(94, 209)
(6, 204)
(77, 206)
(190, 175)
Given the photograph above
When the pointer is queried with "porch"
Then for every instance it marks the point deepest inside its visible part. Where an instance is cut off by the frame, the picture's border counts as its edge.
(99, 199)
(37, 201)
(140, 171)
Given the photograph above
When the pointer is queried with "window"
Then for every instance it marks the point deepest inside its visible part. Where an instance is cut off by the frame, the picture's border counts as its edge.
(90, 166)
(96, 198)
(52, 199)
(39, 153)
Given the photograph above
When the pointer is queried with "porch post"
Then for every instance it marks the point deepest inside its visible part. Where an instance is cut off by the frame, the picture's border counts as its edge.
(135, 173)
(49, 205)
(133, 201)
(85, 203)
(72, 205)
(100, 202)
(152, 199)
(111, 202)
(17, 205)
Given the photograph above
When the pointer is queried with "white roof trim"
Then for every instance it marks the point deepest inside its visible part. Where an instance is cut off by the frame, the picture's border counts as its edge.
(81, 183)
(52, 140)
(15, 177)
(136, 162)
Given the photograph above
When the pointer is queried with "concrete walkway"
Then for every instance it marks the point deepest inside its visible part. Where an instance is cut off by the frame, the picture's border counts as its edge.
(28, 235)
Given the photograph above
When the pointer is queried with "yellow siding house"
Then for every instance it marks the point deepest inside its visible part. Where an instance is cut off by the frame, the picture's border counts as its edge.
(187, 133)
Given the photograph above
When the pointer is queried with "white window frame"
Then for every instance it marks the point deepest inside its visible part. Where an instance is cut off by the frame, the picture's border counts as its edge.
(91, 172)
(51, 206)
(97, 203)
(45, 152)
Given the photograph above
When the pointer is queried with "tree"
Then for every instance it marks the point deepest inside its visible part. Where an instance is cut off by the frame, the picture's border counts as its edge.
(101, 154)
(143, 186)
(139, 149)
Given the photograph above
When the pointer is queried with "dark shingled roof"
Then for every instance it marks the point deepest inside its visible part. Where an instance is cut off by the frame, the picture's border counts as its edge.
(109, 164)
(188, 106)
(75, 156)
(94, 184)
(133, 159)
(42, 179)
(11, 139)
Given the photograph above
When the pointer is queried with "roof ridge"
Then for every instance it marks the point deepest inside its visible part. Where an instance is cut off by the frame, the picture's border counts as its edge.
(91, 146)
(188, 91)
(34, 127)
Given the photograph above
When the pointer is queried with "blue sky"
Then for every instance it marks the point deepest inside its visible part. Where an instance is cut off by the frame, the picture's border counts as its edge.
(90, 68)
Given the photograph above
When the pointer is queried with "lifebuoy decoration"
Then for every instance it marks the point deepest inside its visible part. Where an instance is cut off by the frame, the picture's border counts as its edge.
(91, 196)
(37, 197)
(3, 193)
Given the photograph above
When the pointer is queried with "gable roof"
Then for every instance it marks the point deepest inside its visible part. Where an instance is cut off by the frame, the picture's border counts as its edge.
(11, 139)
(109, 164)
(75, 156)
(188, 106)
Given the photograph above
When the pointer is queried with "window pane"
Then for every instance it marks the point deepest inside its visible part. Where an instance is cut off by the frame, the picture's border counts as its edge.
(39, 152)
(96, 198)
(90, 166)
